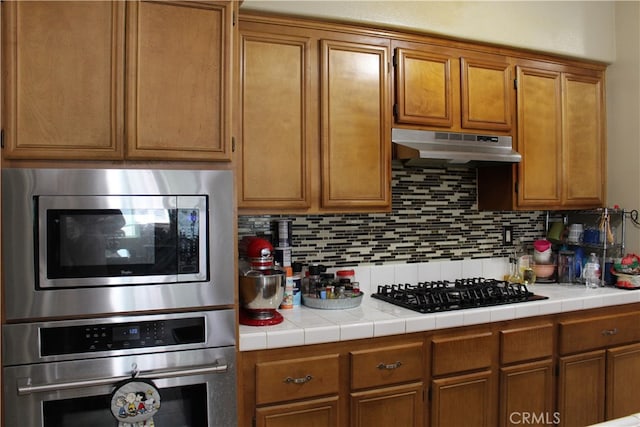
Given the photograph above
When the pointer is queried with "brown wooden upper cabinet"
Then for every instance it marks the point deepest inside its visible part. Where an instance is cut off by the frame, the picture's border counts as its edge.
(451, 89)
(561, 138)
(314, 119)
(73, 92)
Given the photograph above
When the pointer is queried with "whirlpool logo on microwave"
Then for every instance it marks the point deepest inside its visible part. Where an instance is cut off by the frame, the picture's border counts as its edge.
(537, 418)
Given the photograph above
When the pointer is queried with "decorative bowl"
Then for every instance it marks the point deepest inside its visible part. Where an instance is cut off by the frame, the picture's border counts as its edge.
(544, 271)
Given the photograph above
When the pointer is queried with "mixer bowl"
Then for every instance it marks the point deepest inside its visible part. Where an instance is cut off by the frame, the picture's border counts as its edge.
(259, 291)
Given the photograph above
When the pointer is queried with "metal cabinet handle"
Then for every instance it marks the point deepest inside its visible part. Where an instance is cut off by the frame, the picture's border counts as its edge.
(302, 380)
(390, 366)
(608, 332)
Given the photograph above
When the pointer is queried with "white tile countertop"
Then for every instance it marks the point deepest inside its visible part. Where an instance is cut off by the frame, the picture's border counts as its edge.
(375, 318)
(630, 421)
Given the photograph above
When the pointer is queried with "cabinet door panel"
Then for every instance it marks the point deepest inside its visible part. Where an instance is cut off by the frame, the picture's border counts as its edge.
(526, 390)
(485, 92)
(316, 413)
(423, 88)
(530, 343)
(401, 406)
(463, 401)
(64, 79)
(623, 377)
(539, 137)
(297, 378)
(583, 135)
(462, 353)
(355, 136)
(581, 386)
(275, 141)
(179, 80)
(388, 365)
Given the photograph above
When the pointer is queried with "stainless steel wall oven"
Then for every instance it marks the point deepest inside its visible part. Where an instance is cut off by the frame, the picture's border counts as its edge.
(119, 292)
(65, 373)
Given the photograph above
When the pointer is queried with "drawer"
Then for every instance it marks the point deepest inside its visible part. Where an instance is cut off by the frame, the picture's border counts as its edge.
(599, 332)
(459, 354)
(522, 344)
(388, 365)
(293, 379)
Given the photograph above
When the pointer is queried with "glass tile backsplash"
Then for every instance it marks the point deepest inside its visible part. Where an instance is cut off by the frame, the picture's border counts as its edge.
(434, 216)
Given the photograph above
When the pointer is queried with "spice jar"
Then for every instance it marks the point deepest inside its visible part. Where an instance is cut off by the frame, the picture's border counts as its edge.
(346, 274)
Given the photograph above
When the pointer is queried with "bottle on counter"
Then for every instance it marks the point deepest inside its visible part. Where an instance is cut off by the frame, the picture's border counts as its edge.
(297, 283)
(287, 299)
(328, 285)
(311, 283)
(591, 271)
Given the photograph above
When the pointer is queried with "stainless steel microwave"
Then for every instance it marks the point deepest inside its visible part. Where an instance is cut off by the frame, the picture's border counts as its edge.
(120, 240)
(80, 242)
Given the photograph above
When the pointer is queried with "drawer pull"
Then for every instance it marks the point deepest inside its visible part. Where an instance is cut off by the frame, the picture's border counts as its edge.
(390, 366)
(302, 380)
(608, 332)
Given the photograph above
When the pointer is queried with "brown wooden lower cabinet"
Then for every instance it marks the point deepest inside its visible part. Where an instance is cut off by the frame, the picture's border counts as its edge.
(526, 394)
(463, 400)
(390, 406)
(316, 413)
(623, 378)
(581, 389)
(521, 372)
(599, 385)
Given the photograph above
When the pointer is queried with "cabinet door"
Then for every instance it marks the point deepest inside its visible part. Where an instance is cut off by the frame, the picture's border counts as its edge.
(424, 88)
(581, 387)
(399, 406)
(583, 139)
(355, 118)
(539, 137)
(623, 377)
(316, 413)
(275, 139)
(526, 390)
(179, 80)
(485, 94)
(63, 79)
(464, 400)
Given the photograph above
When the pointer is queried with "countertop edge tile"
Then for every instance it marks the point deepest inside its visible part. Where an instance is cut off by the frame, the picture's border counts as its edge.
(384, 319)
(389, 327)
(321, 334)
(356, 330)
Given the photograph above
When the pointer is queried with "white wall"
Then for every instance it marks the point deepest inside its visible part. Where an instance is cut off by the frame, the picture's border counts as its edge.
(582, 29)
(623, 113)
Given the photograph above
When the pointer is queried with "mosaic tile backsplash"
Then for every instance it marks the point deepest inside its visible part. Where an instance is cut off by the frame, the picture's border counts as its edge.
(434, 216)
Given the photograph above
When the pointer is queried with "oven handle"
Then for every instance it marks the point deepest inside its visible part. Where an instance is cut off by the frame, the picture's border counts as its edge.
(28, 388)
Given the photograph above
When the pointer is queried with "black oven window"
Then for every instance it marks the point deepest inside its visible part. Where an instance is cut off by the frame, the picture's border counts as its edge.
(184, 406)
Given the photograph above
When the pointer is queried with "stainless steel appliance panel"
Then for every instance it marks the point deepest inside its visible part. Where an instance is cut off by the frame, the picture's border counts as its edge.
(28, 389)
(27, 302)
(22, 342)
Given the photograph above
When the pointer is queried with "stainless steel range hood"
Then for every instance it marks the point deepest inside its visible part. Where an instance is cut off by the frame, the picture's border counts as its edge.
(428, 148)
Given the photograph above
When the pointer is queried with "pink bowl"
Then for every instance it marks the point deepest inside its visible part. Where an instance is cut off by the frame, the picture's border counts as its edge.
(544, 271)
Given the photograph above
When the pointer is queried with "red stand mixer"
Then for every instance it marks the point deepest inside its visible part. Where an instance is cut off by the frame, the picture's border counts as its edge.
(262, 283)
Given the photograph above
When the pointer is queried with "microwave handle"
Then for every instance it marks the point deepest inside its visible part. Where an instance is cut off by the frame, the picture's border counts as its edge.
(199, 370)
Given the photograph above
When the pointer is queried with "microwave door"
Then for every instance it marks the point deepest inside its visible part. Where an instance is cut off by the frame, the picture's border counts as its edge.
(87, 241)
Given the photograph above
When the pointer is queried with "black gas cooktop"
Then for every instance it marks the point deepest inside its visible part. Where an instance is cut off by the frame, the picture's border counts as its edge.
(433, 297)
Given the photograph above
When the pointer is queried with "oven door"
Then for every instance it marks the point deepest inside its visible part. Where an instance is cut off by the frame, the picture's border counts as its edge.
(196, 387)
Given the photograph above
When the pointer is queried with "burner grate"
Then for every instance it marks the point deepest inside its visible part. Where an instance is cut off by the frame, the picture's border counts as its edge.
(433, 297)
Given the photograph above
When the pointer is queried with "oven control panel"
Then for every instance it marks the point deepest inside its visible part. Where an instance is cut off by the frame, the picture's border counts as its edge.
(120, 336)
